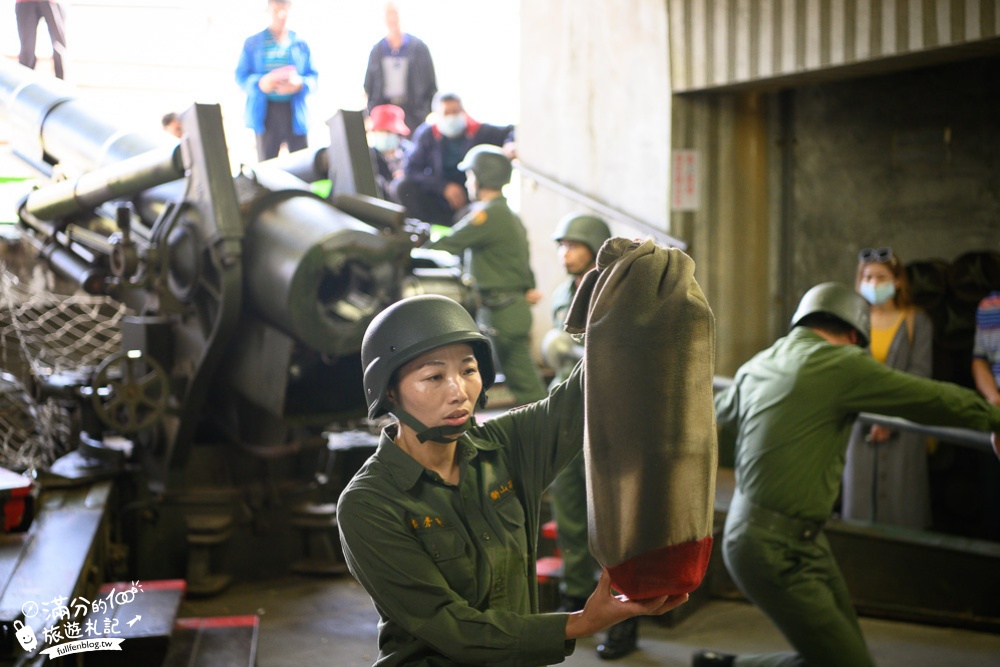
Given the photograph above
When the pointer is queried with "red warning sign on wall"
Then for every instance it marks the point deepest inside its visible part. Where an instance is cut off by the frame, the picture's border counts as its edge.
(684, 193)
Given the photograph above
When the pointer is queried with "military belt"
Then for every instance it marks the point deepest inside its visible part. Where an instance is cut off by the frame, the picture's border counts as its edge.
(776, 522)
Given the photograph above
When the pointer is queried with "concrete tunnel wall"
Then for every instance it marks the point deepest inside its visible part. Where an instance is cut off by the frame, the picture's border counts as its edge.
(907, 159)
(595, 116)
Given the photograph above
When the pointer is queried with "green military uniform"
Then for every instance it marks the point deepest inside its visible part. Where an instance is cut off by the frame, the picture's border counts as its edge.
(499, 263)
(562, 297)
(569, 492)
(451, 569)
(793, 405)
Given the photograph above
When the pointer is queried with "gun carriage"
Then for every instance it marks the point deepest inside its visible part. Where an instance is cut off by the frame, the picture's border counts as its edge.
(200, 333)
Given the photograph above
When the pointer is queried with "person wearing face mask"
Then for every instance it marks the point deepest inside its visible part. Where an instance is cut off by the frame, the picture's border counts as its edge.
(386, 136)
(432, 187)
(440, 525)
(885, 476)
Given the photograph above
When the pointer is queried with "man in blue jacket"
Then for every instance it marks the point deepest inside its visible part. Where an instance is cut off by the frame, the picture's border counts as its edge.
(432, 187)
(276, 72)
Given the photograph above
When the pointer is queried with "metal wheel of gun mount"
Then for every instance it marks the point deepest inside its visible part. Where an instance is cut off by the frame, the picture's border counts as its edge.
(130, 391)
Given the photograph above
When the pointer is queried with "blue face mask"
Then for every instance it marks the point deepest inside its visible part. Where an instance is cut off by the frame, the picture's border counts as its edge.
(877, 293)
(451, 126)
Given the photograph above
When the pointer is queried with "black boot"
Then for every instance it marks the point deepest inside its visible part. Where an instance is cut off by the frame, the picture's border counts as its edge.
(621, 640)
(712, 659)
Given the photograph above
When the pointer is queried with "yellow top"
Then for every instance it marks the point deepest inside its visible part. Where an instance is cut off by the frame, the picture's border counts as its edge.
(882, 338)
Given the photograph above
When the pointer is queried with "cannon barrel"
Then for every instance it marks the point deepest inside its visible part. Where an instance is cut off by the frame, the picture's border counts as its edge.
(309, 164)
(47, 120)
(122, 179)
(315, 272)
(98, 161)
(248, 297)
(312, 270)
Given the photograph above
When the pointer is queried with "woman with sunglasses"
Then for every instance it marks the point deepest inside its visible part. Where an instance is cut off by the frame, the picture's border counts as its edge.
(885, 477)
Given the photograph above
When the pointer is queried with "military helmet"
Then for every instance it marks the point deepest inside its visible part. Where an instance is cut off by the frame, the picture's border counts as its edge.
(840, 301)
(407, 329)
(491, 167)
(583, 228)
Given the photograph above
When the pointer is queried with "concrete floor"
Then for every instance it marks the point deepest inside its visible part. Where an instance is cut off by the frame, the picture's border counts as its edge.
(330, 621)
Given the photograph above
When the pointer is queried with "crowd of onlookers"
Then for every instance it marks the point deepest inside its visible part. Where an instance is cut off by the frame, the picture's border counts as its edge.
(418, 135)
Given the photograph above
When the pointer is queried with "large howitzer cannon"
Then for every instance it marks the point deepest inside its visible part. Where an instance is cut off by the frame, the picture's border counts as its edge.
(247, 300)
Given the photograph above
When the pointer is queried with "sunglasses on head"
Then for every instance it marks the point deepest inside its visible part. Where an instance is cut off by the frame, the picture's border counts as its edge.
(875, 255)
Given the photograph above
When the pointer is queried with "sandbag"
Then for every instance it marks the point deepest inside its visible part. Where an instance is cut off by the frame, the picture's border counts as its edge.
(650, 441)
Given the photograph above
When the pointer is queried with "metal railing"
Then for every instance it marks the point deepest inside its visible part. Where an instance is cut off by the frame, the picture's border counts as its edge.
(597, 205)
(979, 440)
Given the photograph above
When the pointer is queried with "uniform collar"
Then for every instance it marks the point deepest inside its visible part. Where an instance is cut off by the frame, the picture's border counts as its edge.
(806, 332)
(406, 471)
(496, 201)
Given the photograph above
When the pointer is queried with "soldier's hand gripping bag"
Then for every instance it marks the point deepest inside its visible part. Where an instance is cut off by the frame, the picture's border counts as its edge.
(650, 443)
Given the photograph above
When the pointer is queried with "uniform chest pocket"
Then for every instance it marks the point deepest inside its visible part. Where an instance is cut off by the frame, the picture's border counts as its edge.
(510, 510)
(448, 551)
(511, 514)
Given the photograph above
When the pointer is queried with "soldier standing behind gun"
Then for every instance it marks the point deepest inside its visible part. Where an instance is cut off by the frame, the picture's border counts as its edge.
(579, 236)
(498, 249)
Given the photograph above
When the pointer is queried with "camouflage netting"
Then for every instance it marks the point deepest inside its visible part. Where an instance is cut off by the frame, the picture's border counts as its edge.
(32, 433)
(43, 335)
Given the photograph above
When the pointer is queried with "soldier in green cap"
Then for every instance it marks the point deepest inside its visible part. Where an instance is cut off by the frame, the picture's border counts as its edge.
(789, 414)
(499, 262)
(440, 525)
(579, 236)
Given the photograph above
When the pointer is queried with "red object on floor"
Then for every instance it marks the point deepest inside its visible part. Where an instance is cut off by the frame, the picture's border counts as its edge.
(549, 568)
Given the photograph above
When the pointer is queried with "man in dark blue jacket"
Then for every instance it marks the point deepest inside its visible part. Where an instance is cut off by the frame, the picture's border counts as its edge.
(432, 187)
(401, 72)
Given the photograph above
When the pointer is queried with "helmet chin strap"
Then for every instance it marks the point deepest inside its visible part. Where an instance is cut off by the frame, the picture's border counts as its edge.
(436, 433)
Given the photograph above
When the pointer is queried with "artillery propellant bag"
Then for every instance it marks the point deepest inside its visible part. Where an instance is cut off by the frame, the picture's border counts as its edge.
(650, 443)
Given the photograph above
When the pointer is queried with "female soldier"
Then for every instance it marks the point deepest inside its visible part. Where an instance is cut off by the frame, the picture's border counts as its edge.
(440, 525)
(885, 476)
